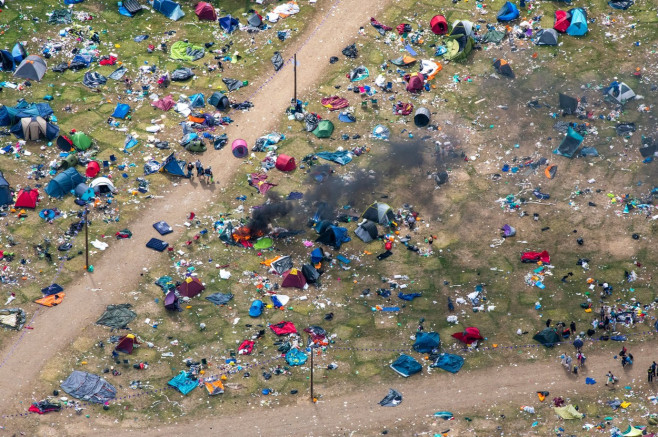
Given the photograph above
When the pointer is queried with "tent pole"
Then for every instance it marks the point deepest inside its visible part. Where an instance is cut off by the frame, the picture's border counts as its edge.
(312, 398)
(86, 237)
(294, 69)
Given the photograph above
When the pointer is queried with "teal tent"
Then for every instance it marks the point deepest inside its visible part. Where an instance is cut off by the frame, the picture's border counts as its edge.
(569, 144)
(64, 182)
(578, 26)
(426, 342)
(169, 9)
(449, 362)
(406, 366)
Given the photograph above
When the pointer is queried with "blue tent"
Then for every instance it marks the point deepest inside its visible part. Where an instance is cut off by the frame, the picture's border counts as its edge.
(317, 256)
(333, 236)
(174, 166)
(183, 382)
(7, 61)
(406, 366)
(84, 192)
(449, 362)
(197, 101)
(10, 115)
(578, 26)
(18, 53)
(569, 144)
(295, 357)
(508, 12)
(121, 111)
(169, 9)
(5, 192)
(64, 182)
(228, 23)
(426, 342)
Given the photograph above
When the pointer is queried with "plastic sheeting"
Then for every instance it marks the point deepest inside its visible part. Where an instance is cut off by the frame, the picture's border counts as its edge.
(89, 387)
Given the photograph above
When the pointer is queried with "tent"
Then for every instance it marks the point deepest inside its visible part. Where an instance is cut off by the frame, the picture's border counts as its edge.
(89, 387)
(281, 264)
(5, 192)
(32, 68)
(102, 185)
(228, 23)
(546, 37)
(562, 21)
(121, 111)
(239, 148)
(295, 357)
(469, 335)
(83, 192)
(293, 278)
(439, 25)
(422, 117)
(256, 308)
(174, 167)
(81, 141)
(165, 103)
(185, 51)
(620, 92)
(117, 316)
(93, 168)
(183, 382)
(171, 301)
(406, 366)
(191, 287)
(416, 83)
(18, 52)
(508, 12)
(503, 67)
(12, 318)
(324, 130)
(168, 8)
(333, 236)
(449, 362)
(462, 27)
(392, 399)
(426, 342)
(126, 344)
(219, 101)
(634, 431)
(459, 42)
(64, 143)
(494, 36)
(283, 328)
(69, 161)
(285, 163)
(568, 104)
(214, 387)
(568, 412)
(205, 11)
(220, 298)
(27, 198)
(64, 182)
(367, 231)
(7, 61)
(379, 213)
(34, 128)
(569, 144)
(310, 273)
(578, 26)
(533, 257)
(548, 337)
(197, 100)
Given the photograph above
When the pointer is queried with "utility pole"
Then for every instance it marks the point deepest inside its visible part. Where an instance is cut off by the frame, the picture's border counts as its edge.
(312, 397)
(86, 237)
(294, 69)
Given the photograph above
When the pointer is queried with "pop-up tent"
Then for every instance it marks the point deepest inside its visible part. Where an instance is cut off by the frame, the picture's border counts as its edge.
(426, 342)
(324, 130)
(31, 68)
(5, 191)
(126, 344)
(18, 52)
(64, 182)
(89, 387)
(34, 128)
(546, 37)
(168, 8)
(379, 213)
(293, 278)
(239, 148)
(620, 92)
(569, 144)
(578, 25)
(406, 366)
(562, 21)
(197, 100)
(191, 287)
(228, 23)
(121, 111)
(219, 101)
(285, 163)
(27, 198)
(548, 337)
(508, 12)
(81, 141)
(439, 25)
(205, 11)
(367, 231)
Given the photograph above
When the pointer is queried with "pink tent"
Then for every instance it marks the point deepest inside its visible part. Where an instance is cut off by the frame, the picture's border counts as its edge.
(239, 148)
(205, 11)
(285, 163)
(93, 168)
(165, 104)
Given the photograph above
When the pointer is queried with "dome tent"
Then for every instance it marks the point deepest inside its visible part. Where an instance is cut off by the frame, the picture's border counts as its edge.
(285, 163)
(169, 9)
(81, 141)
(27, 198)
(219, 101)
(64, 182)
(324, 130)
(5, 191)
(439, 25)
(205, 11)
(34, 128)
(239, 148)
(102, 185)
(32, 68)
(508, 12)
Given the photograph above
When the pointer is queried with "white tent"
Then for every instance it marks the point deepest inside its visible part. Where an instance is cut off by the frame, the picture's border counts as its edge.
(102, 185)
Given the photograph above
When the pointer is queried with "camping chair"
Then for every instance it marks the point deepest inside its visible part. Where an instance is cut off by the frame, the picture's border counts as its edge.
(374, 103)
(364, 104)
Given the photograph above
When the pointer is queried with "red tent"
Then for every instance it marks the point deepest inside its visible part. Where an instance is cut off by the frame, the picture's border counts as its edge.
(293, 278)
(533, 257)
(285, 163)
(416, 83)
(126, 344)
(27, 198)
(246, 347)
(283, 328)
(439, 25)
(562, 20)
(469, 335)
(191, 287)
(93, 168)
(205, 11)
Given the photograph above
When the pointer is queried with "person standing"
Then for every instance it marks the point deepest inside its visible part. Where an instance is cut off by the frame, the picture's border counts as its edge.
(573, 327)
(650, 374)
(190, 167)
(653, 368)
(199, 169)
(610, 378)
(209, 175)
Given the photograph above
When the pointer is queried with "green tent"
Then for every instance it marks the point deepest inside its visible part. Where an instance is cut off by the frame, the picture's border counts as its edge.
(459, 47)
(263, 243)
(548, 337)
(69, 162)
(568, 412)
(81, 141)
(324, 130)
(184, 51)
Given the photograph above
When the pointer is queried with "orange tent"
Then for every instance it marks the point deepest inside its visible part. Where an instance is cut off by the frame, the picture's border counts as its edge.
(52, 300)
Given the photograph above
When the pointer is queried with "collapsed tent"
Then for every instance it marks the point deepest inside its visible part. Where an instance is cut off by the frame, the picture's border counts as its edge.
(469, 335)
(183, 382)
(89, 387)
(569, 144)
(508, 12)
(367, 231)
(171, 301)
(191, 287)
(12, 318)
(406, 366)
(205, 11)
(168, 8)
(93, 79)
(333, 236)
(379, 213)
(568, 412)
(533, 257)
(174, 166)
(392, 399)
(31, 68)
(126, 344)
(64, 182)
(5, 191)
(459, 42)
(117, 316)
(295, 357)
(27, 198)
(448, 362)
(283, 328)
(220, 298)
(45, 406)
(34, 128)
(548, 337)
(426, 342)
(228, 23)
(185, 51)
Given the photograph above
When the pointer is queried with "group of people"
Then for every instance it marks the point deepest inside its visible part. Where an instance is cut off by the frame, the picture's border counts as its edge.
(204, 174)
(567, 361)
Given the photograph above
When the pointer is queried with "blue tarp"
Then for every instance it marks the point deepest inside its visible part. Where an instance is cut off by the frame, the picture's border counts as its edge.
(295, 357)
(449, 362)
(64, 182)
(183, 383)
(228, 23)
(408, 296)
(341, 157)
(426, 342)
(406, 366)
(174, 166)
(578, 26)
(121, 111)
(508, 12)
(169, 9)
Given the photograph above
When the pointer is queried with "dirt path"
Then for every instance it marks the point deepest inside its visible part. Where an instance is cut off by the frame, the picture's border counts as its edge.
(118, 270)
(357, 412)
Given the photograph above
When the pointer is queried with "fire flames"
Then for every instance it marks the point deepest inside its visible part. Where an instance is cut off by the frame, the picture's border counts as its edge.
(244, 233)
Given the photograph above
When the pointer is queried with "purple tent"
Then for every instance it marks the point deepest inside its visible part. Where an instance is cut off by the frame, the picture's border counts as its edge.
(171, 301)
(239, 148)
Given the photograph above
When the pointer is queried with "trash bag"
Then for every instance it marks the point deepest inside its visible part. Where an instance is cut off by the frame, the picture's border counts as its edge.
(118, 73)
(277, 61)
(625, 128)
(182, 74)
(61, 67)
(351, 51)
(232, 84)
(392, 399)
(311, 121)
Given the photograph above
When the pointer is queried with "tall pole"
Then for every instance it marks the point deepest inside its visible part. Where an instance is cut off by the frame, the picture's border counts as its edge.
(86, 238)
(312, 397)
(294, 69)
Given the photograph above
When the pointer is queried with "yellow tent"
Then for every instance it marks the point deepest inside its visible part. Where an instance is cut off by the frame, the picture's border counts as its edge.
(568, 412)
(633, 431)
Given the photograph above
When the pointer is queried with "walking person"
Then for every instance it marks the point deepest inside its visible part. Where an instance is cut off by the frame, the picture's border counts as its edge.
(209, 175)
(573, 327)
(199, 169)
(610, 378)
(653, 368)
(650, 374)
(190, 167)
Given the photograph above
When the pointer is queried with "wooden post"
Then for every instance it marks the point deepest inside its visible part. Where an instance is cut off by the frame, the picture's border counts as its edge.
(294, 69)
(86, 238)
(312, 353)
